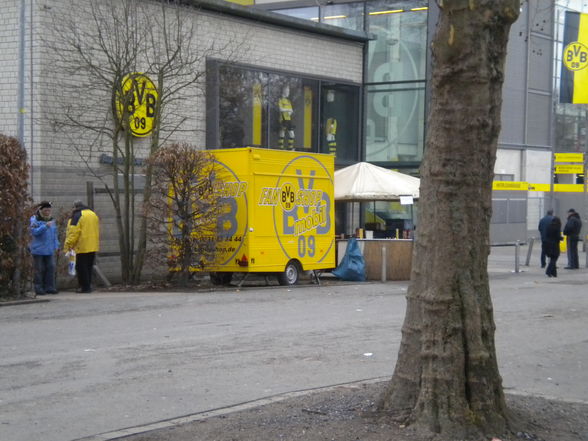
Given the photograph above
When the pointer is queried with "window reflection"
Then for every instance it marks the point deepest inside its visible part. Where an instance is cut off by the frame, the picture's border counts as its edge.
(395, 120)
(346, 15)
(311, 13)
(399, 52)
(340, 113)
(267, 109)
(234, 101)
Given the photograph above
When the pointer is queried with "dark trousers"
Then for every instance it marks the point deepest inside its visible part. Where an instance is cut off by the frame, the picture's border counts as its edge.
(551, 270)
(44, 279)
(573, 261)
(84, 267)
(543, 254)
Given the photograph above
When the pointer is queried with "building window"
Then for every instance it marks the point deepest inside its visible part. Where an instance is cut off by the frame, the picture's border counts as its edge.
(344, 15)
(399, 53)
(395, 122)
(310, 13)
(250, 107)
(396, 72)
(340, 122)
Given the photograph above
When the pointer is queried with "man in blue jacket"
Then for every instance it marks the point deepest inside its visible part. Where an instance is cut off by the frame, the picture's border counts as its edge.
(43, 248)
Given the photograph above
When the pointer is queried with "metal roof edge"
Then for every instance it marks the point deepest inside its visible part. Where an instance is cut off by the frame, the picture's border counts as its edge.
(259, 15)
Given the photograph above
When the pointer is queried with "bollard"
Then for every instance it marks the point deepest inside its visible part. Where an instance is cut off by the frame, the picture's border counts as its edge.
(517, 247)
(529, 251)
(383, 264)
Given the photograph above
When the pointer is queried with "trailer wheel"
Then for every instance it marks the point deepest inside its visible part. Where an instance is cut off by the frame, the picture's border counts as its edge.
(221, 278)
(291, 274)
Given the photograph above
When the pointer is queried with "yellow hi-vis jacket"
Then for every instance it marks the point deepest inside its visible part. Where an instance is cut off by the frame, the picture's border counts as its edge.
(285, 107)
(83, 232)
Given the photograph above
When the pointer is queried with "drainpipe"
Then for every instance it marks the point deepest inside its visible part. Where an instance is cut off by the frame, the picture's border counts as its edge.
(21, 74)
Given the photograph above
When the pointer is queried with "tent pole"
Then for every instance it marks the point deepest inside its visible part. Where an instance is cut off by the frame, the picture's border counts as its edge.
(412, 217)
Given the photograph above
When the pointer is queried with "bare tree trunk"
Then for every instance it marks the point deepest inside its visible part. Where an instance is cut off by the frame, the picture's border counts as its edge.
(154, 146)
(118, 210)
(446, 378)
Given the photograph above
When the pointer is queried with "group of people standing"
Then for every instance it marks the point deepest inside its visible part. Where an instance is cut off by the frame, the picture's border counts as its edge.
(82, 237)
(551, 236)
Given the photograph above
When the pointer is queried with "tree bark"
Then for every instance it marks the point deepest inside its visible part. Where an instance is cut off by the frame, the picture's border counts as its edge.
(446, 377)
(147, 190)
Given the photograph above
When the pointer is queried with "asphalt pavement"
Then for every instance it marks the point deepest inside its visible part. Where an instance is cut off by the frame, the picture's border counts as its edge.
(81, 365)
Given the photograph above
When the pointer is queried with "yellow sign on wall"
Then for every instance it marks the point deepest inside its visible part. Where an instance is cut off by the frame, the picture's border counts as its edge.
(139, 96)
(569, 157)
(527, 186)
(510, 185)
(569, 168)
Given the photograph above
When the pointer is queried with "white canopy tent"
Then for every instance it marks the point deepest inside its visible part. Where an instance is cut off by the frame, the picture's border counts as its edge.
(364, 182)
(367, 182)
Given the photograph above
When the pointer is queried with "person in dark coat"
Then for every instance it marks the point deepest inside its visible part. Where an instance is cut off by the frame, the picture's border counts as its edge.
(543, 224)
(572, 231)
(552, 239)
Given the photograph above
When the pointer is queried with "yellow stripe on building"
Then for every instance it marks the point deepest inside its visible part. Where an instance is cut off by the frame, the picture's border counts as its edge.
(569, 188)
(539, 187)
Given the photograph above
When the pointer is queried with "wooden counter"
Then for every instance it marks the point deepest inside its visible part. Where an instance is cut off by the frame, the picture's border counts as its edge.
(398, 254)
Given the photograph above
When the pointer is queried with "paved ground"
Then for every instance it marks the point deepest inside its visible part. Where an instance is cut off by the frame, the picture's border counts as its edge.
(81, 365)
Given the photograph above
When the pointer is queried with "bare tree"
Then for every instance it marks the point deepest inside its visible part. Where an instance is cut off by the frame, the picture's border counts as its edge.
(446, 378)
(104, 47)
(179, 73)
(183, 210)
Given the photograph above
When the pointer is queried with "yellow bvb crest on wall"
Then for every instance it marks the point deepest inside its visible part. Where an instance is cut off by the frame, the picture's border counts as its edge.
(136, 103)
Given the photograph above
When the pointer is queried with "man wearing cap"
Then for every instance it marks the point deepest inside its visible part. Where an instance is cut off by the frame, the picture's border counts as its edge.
(572, 231)
(83, 237)
(43, 246)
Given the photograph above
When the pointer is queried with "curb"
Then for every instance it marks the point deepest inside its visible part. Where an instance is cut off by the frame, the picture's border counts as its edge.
(23, 302)
(173, 422)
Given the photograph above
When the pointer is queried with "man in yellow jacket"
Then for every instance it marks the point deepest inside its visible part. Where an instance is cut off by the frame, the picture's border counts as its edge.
(83, 237)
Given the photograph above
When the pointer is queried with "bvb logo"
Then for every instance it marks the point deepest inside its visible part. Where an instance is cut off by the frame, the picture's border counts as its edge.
(287, 196)
(575, 56)
(136, 103)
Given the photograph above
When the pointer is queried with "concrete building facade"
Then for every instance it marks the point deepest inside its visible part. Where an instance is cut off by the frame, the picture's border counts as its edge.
(42, 91)
(365, 65)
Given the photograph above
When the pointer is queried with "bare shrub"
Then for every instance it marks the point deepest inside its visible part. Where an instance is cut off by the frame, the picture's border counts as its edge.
(183, 209)
(15, 264)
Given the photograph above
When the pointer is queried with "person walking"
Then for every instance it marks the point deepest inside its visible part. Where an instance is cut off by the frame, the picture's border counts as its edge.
(572, 231)
(543, 224)
(83, 237)
(552, 239)
(44, 244)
